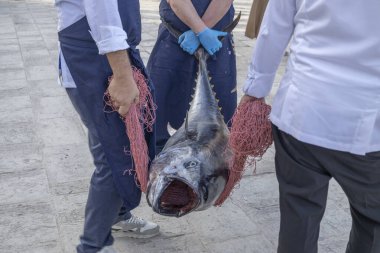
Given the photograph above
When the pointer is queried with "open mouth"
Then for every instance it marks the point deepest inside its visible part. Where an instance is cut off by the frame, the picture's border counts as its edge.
(177, 199)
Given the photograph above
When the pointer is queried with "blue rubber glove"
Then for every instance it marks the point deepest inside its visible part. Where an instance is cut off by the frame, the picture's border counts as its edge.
(189, 41)
(209, 40)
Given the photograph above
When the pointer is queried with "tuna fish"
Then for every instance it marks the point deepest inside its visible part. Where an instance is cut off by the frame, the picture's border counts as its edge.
(191, 171)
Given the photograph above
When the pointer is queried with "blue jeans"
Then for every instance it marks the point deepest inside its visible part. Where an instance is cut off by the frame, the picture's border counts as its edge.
(104, 204)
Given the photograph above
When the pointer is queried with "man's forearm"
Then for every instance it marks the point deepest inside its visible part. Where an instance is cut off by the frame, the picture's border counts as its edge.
(119, 62)
(186, 12)
(216, 11)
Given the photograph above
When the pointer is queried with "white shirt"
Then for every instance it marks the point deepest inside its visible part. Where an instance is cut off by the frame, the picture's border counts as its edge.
(104, 20)
(330, 93)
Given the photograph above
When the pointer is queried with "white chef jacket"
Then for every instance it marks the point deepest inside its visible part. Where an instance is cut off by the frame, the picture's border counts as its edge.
(330, 93)
(105, 24)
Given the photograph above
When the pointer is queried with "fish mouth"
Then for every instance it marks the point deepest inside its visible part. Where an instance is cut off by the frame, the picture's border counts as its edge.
(177, 199)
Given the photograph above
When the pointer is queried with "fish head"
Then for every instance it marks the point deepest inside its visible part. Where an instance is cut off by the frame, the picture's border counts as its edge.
(180, 182)
(173, 188)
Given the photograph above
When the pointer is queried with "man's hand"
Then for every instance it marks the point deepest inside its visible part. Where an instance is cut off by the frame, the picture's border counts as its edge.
(210, 41)
(247, 98)
(122, 89)
(189, 42)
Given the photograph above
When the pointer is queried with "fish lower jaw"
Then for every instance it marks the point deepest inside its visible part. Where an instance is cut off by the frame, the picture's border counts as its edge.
(177, 199)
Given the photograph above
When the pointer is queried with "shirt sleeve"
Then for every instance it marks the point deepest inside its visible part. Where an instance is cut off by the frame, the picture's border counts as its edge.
(105, 24)
(275, 32)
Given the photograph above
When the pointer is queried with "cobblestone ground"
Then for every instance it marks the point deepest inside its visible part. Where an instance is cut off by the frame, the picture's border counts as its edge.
(45, 165)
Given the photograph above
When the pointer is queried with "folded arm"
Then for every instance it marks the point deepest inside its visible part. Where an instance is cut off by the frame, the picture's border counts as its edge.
(216, 11)
(186, 12)
(200, 33)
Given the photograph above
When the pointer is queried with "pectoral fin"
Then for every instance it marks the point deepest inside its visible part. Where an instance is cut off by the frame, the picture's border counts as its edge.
(171, 130)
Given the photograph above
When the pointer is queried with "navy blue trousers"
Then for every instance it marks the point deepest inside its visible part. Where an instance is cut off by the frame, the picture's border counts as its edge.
(104, 204)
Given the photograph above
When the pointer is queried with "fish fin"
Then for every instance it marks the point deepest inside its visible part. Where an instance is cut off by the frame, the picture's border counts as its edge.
(171, 130)
(187, 124)
(232, 25)
(201, 54)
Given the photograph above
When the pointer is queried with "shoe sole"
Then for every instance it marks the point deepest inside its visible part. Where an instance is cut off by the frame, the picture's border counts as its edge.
(122, 233)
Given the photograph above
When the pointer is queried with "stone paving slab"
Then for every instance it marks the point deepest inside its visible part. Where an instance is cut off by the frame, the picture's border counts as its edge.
(45, 165)
(27, 227)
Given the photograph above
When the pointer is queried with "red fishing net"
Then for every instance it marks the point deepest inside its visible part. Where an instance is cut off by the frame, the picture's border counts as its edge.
(250, 137)
(140, 117)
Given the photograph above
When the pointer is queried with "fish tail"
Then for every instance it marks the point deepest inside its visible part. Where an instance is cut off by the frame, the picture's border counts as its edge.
(201, 54)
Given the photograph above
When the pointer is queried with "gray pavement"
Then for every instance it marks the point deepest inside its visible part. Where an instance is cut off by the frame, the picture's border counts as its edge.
(45, 165)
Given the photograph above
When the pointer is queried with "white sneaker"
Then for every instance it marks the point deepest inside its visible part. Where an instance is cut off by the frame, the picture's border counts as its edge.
(108, 249)
(136, 227)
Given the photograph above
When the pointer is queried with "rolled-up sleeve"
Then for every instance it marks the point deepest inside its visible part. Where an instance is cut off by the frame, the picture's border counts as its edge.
(105, 24)
(275, 32)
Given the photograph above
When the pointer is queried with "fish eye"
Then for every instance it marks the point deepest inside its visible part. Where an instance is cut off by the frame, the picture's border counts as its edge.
(191, 164)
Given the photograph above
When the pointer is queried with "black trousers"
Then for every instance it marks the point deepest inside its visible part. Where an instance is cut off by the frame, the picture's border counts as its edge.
(303, 172)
